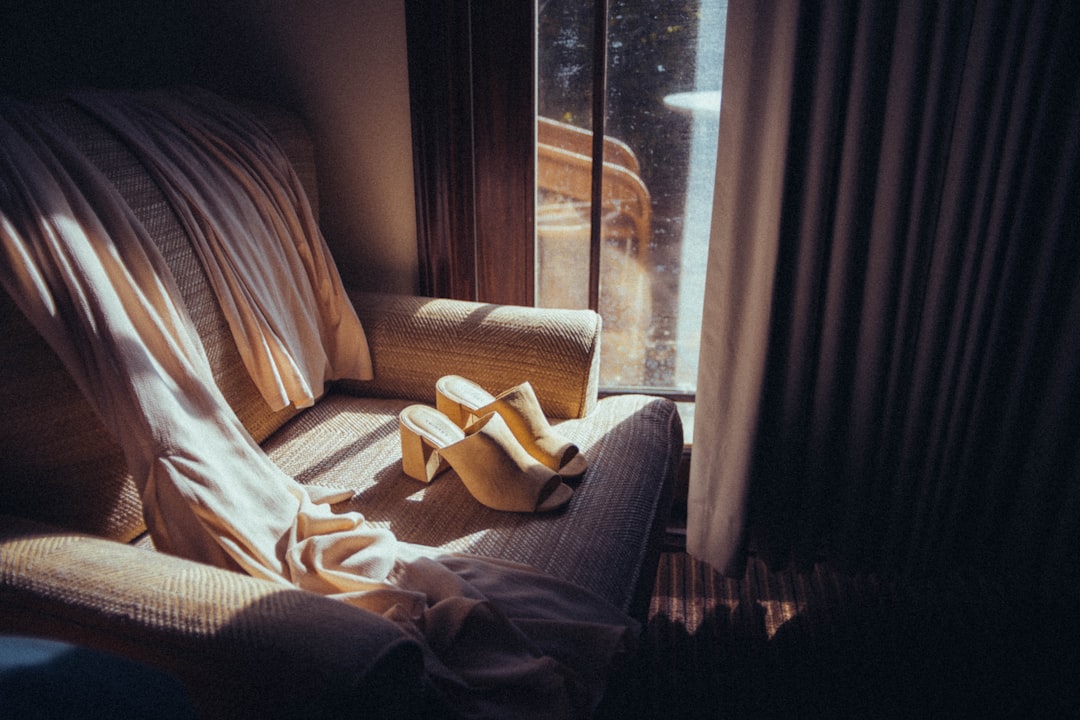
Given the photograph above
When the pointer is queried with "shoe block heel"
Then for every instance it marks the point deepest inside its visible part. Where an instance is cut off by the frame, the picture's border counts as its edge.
(419, 459)
(458, 413)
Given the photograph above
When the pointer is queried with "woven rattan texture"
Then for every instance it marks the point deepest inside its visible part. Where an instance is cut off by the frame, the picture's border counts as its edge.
(598, 541)
(60, 464)
(246, 644)
(415, 341)
(148, 203)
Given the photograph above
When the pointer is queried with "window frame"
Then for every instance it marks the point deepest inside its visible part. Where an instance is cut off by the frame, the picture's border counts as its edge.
(473, 104)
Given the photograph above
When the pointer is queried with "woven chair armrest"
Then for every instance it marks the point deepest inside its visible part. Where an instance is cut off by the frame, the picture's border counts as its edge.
(242, 647)
(414, 341)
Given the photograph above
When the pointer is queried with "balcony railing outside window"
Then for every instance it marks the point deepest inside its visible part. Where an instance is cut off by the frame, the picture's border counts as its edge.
(660, 121)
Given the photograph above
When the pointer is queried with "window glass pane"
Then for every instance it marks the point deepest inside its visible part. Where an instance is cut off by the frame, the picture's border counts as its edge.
(664, 67)
(564, 162)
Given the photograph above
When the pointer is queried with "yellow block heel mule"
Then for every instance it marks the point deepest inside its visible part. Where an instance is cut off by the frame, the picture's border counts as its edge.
(462, 401)
(491, 463)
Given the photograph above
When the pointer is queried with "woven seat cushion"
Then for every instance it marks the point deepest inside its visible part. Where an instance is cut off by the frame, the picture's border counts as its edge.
(598, 541)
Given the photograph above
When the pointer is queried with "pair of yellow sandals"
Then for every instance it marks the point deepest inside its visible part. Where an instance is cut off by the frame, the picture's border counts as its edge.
(503, 448)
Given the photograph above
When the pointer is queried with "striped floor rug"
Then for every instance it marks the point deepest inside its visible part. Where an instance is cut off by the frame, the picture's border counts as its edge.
(823, 644)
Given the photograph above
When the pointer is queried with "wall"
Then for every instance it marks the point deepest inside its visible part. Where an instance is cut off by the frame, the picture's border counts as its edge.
(342, 64)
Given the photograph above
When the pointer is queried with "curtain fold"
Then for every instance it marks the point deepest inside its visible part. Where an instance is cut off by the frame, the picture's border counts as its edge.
(906, 394)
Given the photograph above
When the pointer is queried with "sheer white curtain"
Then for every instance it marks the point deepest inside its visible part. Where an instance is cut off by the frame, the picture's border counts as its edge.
(738, 286)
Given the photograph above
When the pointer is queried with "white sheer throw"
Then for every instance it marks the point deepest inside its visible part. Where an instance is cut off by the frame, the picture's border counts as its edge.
(83, 270)
(266, 259)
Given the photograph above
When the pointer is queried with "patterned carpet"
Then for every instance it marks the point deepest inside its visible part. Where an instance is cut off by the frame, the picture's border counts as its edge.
(828, 645)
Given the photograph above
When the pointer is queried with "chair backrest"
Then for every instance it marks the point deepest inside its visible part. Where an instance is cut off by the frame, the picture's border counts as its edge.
(579, 140)
(59, 464)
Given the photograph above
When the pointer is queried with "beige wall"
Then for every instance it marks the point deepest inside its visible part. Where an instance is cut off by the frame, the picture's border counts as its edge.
(343, 65)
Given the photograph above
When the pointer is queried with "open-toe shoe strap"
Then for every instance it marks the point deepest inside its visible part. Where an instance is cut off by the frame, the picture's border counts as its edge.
(521, 410)
(462, 399)
(500, 473)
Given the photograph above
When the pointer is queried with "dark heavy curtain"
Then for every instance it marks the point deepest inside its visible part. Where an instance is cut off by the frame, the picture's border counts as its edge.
(914, 208)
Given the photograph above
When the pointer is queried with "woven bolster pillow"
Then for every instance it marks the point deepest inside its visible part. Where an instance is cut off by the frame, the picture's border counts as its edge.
(414, 341)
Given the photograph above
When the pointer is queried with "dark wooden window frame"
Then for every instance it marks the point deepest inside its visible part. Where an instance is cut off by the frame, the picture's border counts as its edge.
(473, 104)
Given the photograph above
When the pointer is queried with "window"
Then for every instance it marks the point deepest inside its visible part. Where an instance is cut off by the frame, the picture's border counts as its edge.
(659, 117)
(503, 113)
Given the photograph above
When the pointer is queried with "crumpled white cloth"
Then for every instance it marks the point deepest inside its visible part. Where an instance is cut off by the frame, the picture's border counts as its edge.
(500, 640)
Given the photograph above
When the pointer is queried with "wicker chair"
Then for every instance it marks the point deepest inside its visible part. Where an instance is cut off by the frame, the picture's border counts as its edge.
(77, 565)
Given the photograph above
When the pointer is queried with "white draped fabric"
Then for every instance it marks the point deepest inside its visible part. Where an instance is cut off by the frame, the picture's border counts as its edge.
(84, 271)
(249, 220)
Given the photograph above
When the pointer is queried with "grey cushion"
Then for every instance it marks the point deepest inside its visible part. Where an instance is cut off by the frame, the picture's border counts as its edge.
(599, 541)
